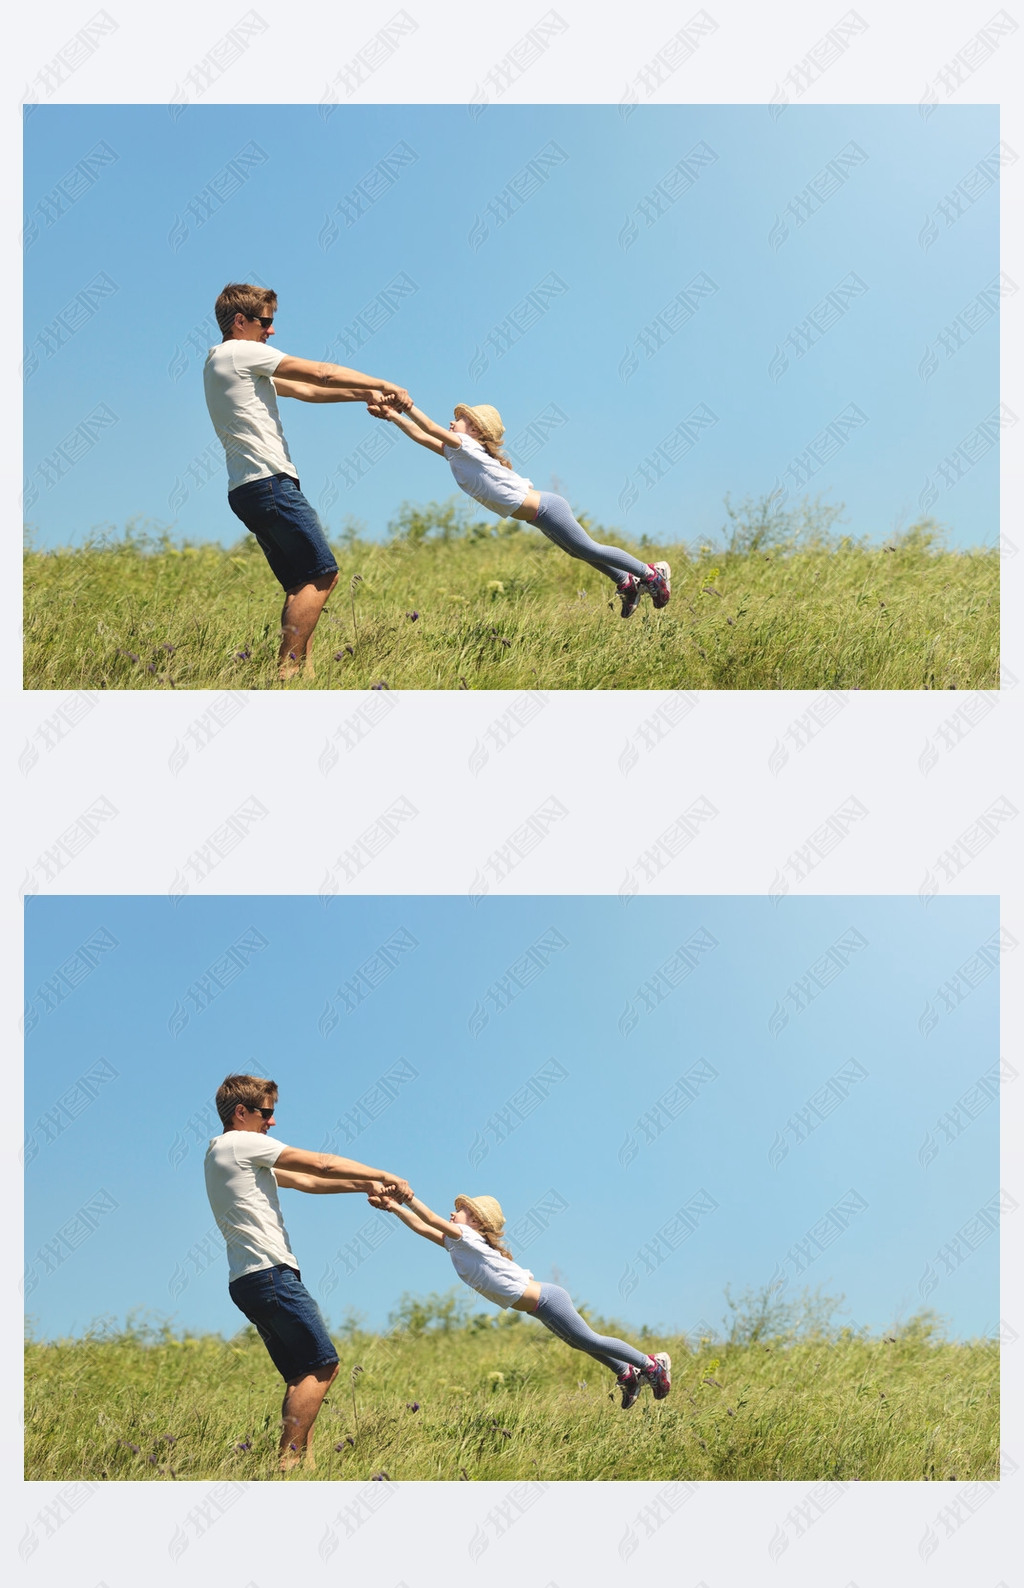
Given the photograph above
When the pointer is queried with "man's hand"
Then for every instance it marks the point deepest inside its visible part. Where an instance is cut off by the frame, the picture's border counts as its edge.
(383, 1201)
(398, 397)
(400, 1190)
(385, 404)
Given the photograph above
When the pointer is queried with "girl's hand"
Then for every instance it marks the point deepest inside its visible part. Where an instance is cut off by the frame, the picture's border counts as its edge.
(386, 404)
(381, 1200)
(398, 397)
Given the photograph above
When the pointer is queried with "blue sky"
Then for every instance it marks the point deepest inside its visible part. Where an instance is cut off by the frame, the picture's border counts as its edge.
(669, 1098)
(666, 307)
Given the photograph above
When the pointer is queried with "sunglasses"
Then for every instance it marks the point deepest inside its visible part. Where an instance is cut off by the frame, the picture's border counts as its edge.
(265, 320)
(268, 1113)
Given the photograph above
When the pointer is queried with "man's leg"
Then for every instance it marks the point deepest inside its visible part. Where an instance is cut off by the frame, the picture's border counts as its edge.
(299, 617)
(302, 1400)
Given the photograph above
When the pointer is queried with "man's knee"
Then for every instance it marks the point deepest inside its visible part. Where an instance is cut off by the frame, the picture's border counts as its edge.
(324, 582)
(321, 1375)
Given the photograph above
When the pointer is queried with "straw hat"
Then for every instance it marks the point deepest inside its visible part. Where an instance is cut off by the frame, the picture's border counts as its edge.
(486, 1209)
(486, 419)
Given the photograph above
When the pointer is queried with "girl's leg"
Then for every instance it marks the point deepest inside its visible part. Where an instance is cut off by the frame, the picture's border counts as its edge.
(555, 520)
(557, 1313)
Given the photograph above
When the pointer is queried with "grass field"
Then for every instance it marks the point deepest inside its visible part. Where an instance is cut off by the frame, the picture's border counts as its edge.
(446, 603)
(498, 1397)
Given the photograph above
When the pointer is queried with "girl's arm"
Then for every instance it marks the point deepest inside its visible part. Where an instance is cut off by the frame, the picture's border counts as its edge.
(418, 1225)
(428, 1216)
(448, 438)
(418, 427)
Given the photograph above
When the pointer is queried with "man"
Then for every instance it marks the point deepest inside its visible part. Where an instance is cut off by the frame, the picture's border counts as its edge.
(244, 1171)
(243, 379)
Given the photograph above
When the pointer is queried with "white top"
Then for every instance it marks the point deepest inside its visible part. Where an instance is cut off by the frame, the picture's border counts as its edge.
(485, 479)
(243, 406)
(480, 1266)
(243, 1195)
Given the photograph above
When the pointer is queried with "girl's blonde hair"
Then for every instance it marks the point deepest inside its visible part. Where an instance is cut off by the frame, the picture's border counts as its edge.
(494, 448)
(495, 1242)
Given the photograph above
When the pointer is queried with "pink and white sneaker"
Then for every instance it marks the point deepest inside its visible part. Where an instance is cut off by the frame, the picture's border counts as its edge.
(659, 583)
(629, 593)
(631, 1382)
(659, 1375)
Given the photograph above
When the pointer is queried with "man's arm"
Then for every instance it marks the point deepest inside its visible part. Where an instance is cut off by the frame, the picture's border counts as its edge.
(306, 392)
(308, 371)
(293, 1180)
(326, 1166)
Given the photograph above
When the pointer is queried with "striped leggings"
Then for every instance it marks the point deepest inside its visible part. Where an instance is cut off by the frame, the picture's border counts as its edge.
(557, 1313)
(556, 521)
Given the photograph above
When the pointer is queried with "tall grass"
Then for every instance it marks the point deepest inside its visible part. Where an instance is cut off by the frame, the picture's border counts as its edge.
(498, 1397)
(446, 603)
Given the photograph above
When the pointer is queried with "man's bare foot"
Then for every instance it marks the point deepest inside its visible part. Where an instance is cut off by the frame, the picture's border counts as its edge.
(289, 667)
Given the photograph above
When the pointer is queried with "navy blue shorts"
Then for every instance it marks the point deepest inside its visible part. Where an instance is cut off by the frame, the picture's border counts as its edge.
(287, 1319)
(288, 530)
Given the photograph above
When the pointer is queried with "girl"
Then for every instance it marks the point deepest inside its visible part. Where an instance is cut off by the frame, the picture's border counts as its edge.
(472, 448)
(472, 1238)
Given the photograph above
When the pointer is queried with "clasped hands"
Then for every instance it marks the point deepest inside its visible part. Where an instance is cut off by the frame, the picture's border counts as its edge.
(389, 1195)
(385, 403)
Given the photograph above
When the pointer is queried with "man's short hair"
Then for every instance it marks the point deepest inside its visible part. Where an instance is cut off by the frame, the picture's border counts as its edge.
(240, 297)
(252, 1090)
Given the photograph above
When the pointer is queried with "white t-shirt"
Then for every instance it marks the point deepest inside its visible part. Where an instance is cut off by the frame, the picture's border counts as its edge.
(243, 406)
(479, 1265)
(243, 1195)
(485, 479)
